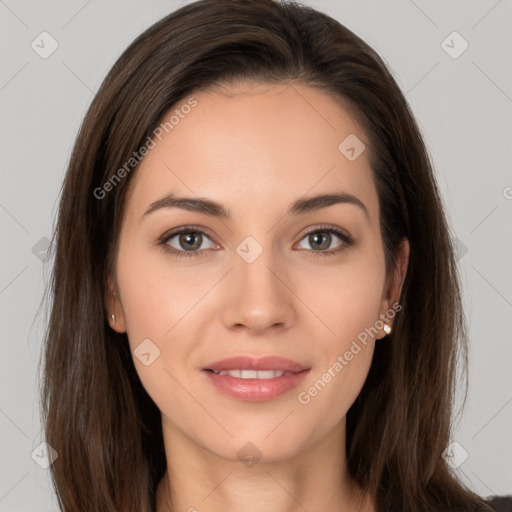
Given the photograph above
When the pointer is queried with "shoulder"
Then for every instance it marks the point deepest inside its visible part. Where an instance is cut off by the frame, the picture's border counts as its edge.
(500, 503)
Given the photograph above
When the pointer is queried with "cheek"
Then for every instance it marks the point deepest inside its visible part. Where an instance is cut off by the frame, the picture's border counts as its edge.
(347, 304)
(154, 297)
(349, 309)
(155, 303)
(345, 299)
(161, 303)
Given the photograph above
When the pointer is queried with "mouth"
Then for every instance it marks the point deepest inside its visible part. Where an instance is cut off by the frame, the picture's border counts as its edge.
(252, 374)
(255, 380)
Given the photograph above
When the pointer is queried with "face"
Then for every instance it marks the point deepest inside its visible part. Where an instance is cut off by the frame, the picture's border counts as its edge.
(306, 284)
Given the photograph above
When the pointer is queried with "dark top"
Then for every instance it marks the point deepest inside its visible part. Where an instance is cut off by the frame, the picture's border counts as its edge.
(500, 503)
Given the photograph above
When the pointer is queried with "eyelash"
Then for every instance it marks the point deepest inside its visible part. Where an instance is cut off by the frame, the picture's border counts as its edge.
(347, 242)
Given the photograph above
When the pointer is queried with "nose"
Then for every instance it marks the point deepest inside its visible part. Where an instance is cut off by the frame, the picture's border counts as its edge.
(258, 294)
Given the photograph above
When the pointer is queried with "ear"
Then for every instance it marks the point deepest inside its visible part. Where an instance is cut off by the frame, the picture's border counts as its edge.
(395, 282)
(113, 307)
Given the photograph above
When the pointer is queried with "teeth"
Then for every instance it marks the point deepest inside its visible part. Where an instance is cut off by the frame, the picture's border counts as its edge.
(254, 374)
(269, 374)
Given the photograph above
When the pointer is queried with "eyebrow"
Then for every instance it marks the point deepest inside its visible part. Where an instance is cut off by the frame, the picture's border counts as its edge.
(215, 209)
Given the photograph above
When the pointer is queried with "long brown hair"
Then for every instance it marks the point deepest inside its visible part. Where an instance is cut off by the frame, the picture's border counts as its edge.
(97, 416)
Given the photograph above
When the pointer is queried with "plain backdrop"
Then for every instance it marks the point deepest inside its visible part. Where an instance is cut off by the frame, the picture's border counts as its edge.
(461, 97)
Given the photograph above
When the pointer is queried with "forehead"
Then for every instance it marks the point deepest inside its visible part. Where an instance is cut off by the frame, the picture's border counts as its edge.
(256, 145)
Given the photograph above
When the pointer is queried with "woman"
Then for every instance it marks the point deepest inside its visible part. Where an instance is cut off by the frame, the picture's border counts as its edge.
(203, 353)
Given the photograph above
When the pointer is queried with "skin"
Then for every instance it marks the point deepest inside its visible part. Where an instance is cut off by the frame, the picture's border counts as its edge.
(254, 148)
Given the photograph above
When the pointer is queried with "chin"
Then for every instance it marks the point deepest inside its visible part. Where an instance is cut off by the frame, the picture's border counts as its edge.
(256, 446)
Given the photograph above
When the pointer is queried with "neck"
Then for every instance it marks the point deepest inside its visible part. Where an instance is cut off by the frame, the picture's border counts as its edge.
(315, 479)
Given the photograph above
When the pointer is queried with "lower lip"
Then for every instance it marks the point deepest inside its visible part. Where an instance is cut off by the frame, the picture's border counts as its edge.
(255, 390)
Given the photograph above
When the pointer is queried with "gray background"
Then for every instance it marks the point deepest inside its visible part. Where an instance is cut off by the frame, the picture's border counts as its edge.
(463, 106)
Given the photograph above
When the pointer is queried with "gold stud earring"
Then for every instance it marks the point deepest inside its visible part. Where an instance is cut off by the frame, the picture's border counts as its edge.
(113, 319)
(387, 328)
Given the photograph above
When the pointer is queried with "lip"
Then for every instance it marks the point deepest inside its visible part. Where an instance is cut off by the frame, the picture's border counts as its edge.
(255, 390)
(251, 363)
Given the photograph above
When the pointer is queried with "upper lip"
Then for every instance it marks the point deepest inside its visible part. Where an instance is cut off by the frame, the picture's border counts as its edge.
(251, 363)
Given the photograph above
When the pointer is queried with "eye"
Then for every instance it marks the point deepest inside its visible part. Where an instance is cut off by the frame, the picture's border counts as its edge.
(189, 242)
(321, 238)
